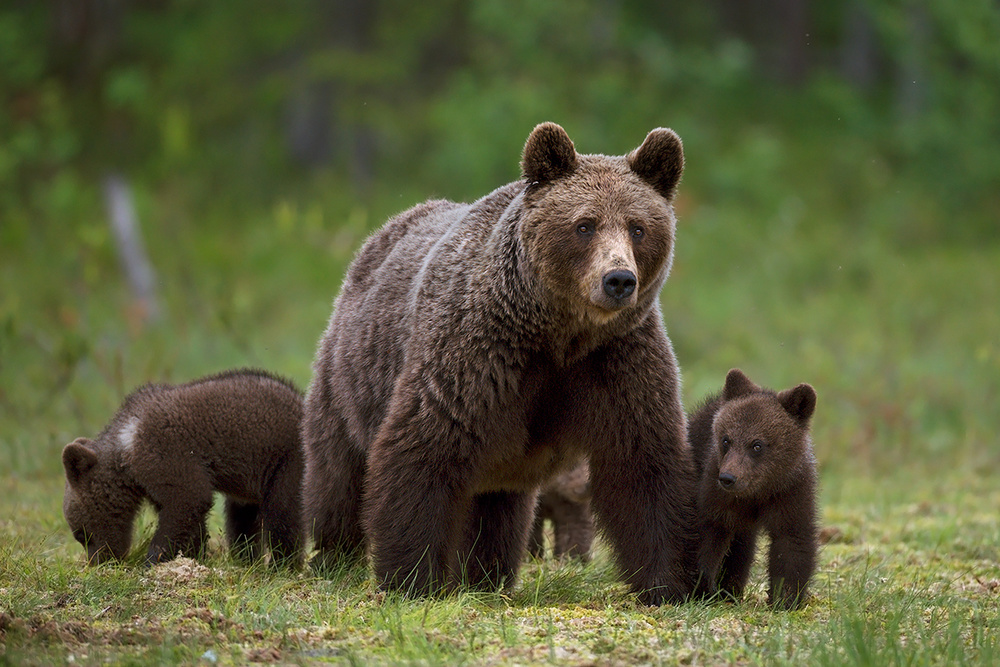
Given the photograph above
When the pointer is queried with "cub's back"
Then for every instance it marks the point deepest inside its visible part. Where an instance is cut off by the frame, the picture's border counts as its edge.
(249, 414)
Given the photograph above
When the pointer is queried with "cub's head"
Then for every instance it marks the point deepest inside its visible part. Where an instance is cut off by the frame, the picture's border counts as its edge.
(762, 437)
(598, 230)
(95, 504)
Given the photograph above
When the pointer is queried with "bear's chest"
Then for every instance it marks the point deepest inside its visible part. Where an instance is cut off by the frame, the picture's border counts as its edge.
(739, 513)
(543, 443)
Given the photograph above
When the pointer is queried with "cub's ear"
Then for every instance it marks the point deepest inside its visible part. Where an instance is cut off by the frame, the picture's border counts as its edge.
(78, 458)
(548, 154)
(659, 161)
(799, 402)
(737, 384)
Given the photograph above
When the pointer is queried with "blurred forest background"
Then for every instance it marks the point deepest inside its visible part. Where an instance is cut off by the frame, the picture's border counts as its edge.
(838, 214)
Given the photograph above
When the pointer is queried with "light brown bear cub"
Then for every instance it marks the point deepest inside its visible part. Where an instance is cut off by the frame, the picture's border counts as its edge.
(757, 471)
(236, 432)
(565, 502)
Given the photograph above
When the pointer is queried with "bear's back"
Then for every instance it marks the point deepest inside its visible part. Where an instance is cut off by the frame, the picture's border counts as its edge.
(241, 424)
(402, 268)
(410, 233)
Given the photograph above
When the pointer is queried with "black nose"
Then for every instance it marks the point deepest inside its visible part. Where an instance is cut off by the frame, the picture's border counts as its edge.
(619, 284)
(726, 480)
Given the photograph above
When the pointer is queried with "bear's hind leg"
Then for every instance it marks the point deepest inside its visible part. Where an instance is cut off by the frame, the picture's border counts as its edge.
(495, 539)
(332, 490)
(281, 516)
(243, 529)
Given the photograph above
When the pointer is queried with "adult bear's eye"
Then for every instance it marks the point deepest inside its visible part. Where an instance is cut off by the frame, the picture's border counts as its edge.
(637, 232)
(585, 227)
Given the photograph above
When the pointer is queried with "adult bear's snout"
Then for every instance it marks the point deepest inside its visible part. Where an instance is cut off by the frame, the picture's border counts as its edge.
(619, 284)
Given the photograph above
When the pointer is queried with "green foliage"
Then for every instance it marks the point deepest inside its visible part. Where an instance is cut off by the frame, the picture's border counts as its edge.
(190, 95)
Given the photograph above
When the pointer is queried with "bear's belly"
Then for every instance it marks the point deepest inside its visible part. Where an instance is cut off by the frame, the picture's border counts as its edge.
(528, 472)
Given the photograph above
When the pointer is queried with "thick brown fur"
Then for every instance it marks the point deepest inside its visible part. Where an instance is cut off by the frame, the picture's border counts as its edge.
(758, 472)
(565, 503)
(236, 432)
(478, 350)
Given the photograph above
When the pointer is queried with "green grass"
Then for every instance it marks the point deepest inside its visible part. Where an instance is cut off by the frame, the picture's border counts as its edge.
(911, 577)
(898, 339)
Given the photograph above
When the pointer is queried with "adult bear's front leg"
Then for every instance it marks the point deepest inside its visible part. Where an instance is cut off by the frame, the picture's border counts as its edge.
(417, 501)
(642, 473)
(495, 539)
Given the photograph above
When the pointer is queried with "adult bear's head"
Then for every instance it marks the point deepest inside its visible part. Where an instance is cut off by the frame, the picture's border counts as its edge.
(599, 230)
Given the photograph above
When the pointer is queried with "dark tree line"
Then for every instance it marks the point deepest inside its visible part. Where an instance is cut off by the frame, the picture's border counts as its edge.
(352, 84)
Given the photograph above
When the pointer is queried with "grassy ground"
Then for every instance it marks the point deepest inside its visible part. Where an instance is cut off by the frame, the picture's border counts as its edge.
(910, 576)
(898, 339)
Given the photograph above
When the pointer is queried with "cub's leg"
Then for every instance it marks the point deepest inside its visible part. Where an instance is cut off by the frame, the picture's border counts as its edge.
(712, 550)
(183, 507)
(737, 563)
(791, 563)
(281, 515)
(243, 529)
(495, 539)
(536, 541)
(574, 530)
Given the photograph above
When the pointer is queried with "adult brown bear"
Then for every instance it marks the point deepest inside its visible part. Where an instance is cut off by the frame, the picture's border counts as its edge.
(477, 350)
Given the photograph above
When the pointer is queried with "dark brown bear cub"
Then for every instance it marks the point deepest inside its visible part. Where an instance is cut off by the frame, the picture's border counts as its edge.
(757, 470)
(236, 433)
(478, 350)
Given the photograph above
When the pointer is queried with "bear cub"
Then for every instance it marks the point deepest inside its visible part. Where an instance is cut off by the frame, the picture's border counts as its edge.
(236, 432)
(757, 471)
(565, 502)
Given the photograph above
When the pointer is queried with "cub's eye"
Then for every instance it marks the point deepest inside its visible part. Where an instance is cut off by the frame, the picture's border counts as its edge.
(757, 446)
(637, 232)
(585, 228)
(725, 445)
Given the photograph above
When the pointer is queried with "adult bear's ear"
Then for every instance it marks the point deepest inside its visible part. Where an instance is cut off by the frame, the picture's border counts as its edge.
(78, 459)
(548, 154)
(799, 402)
(659, 161)
(737, 384)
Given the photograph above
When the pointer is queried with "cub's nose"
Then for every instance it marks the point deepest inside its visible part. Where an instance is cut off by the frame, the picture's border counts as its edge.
(726, 480)
(619, 284)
